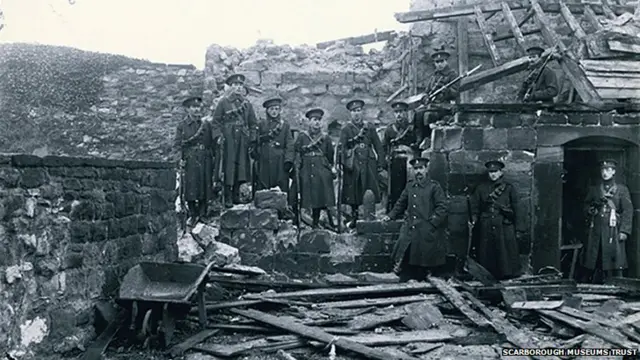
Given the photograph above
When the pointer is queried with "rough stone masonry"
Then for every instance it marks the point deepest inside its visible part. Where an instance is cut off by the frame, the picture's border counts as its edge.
(69, 230)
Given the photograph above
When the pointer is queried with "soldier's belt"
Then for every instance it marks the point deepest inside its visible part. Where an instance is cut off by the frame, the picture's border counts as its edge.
(195, 147)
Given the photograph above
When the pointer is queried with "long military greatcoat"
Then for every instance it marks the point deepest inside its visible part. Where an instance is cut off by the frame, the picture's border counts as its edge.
(545, 88)
(194, 142)
(495, 204)
(398, 143)
(423, 232)
(604, 234)
(316, 177)
(236, 119)
(361, 155)
(274, 150)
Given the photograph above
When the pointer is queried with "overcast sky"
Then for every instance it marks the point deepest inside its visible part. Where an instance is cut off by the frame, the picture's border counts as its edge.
(179, 31)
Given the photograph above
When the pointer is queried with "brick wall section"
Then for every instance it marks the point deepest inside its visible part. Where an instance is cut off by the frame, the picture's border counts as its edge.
(71, 228)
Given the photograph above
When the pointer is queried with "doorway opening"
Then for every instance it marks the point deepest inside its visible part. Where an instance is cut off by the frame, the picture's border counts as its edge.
(581, 171)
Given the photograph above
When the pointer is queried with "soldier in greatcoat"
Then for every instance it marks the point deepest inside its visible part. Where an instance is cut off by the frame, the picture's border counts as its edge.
(361, 159)
(496, 223)
(541, 84)
(610, 213)
(315, 152)
(400, 145)
(193, 147)
(273, 151)
(422, 246)
(236, 119)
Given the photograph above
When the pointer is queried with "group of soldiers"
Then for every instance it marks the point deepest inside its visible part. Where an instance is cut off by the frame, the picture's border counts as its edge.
(235, 147)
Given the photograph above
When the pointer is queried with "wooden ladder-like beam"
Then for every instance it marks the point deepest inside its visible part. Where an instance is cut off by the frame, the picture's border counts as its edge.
(592, 18)
(606, 9)
(488, 39)
(572, 70)
(574, 25)
(515, 28)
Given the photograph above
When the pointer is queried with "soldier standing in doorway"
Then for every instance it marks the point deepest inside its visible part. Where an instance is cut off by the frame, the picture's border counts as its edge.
(400, 144)
(427, 120)
(541, 84)
(361, 159)
(494, 207)
(273, 151)
(316, 154)
(422, 246)
(193, 145)
(236, 118)
(610, 213)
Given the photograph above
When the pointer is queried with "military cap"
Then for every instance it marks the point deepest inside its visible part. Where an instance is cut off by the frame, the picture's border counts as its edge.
(234, 78)
(494, 165)
(272, 102)
(315, 112)
(192, 100)
(609, 163)
(440, 55)
(535, 50)
(355, 104)
(419, 160)
(400, 105)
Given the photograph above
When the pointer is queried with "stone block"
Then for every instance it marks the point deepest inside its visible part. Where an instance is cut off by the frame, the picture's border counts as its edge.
(221, 254)
(80, 232)
(340, 90)
(519, 161)
(99, 231)
(472, 119)
(472, 138)
(376, 263)
(316, 241)
(253, 77)
(438, 167)
(130, 247)
(298, 264)
(204, 234)
(319, 89)
(263, 219)
(625, 119)
(270, 199)
(150, 244)
(330, 264)
(494, 139)
(523, 138)
(9, 177)
(376, 244)
(235, 219)
(437, 139)
(188, 248)
(34, 177)
(452, 139)
(506, 120)
(378, 227)
(552, 118)
(606, 119)
(550, 154)
(522, 181)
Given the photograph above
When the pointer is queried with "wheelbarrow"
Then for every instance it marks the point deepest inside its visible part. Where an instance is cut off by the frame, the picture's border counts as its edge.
(158, 294)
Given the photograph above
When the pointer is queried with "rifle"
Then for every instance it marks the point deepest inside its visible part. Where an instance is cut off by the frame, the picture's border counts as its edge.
(427, 98)
(539, 70)
(220, 169)
(299, 199)
(339, 202)
(183, 205)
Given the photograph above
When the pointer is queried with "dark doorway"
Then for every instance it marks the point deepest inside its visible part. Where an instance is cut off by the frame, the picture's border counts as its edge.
(581, 171)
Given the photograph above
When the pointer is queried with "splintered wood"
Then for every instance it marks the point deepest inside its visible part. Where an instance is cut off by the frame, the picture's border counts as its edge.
(457, 300)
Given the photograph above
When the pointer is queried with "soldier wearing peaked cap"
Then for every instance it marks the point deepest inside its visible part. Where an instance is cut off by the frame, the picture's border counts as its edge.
(541, 83)
(236, 119)
(194, 147)
(497, 225)
(422, 247)
(360, 157)
(609, 212)
(273, 151)
(315, 152)
(400, 144)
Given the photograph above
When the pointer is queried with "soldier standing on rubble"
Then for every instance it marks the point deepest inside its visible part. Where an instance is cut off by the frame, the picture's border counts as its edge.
(610, 213)
(541, 84)
(427, 120)
(193, 144)
(361, 158)
(400, 144)
(422, 246)
(316, 153)
(493, 207)
(236, 118)
(273, 151)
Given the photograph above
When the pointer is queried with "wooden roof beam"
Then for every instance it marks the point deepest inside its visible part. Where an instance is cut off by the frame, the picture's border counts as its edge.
(488, 39)
(608, 12)
(577, 77)
(526, 17)
(592, 18)
(489, 7)
(361, 40)
(515, 29)
(493, 74)
(574, 25)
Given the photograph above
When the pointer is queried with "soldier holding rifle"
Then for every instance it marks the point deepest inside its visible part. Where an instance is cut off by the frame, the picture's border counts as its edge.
(193, 146)
(541, 84)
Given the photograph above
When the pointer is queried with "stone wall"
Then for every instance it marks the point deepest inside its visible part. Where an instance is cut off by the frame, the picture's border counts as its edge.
(70, 228)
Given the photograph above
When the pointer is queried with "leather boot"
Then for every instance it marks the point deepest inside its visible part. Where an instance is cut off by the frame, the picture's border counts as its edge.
(315, 217)
(330, 218)
(354, 212)
(235, 194)
(228, 201)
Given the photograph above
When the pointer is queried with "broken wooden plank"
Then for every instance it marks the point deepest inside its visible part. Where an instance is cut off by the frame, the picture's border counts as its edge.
(530, 13)
(456, 299)
(579, 81)
(574, 25)
(615, 45)
(609, 82)
(283, 355)
(230, 350)
(592, 18)
(315, 334)
(360, 303)
(613, 74)
(619, 93)
(536, 305)
(515, 29)
(424, 348)
(373, 320)
(607, 10)
(521, 338)
(181, 348)
(628, 66)
(422, 316)
(402, 338)
(631, 319)
(361, 40)
(239, 269)
(488, 7)
(99, 345)
(405, 288)
(487, 76)
(486, 35)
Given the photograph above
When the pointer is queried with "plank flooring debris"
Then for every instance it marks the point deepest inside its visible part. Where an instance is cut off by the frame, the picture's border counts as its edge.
(360, 303)
(535, 305)
(456, 299)
(418, 287)
(422, 316)
(373, 320)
